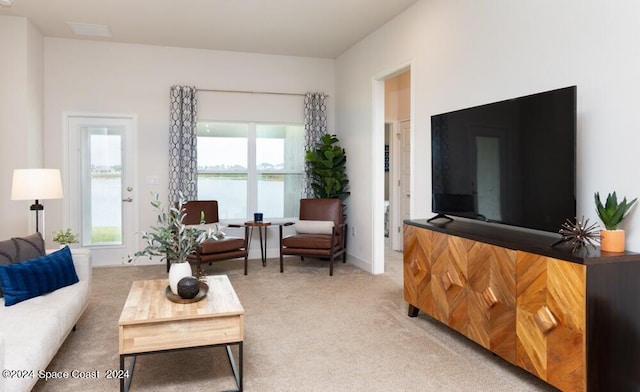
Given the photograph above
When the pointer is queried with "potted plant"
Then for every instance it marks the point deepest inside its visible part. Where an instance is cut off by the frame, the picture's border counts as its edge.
(65, 237)
(611, 214)
(327, 168)
(171, 239)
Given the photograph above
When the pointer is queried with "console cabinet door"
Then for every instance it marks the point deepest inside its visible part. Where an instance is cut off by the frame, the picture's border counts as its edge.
(417, 268)
(550, 321)
(491, 298)
(449, 280)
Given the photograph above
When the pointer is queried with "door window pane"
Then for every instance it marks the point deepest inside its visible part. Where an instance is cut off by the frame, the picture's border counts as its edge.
(102, 190)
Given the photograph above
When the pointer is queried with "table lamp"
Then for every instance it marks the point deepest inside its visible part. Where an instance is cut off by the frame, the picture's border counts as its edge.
(36, 184)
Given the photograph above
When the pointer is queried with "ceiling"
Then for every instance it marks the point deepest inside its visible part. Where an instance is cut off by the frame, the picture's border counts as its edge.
(309, 28)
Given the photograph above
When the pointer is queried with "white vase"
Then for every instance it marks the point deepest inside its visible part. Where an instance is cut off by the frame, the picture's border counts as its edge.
(178, 271)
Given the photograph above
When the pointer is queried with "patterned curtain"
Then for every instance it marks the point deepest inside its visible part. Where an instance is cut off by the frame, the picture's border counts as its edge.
(183, 143)
(315, 125)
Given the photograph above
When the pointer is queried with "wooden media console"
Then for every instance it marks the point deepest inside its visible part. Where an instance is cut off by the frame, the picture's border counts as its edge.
(571, 319)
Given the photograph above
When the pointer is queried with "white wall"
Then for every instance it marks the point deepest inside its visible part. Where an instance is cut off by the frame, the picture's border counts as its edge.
(108, 78)
(464, 53)
(21, 110)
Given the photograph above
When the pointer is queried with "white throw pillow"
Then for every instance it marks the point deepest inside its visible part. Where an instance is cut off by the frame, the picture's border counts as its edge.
(313, 227)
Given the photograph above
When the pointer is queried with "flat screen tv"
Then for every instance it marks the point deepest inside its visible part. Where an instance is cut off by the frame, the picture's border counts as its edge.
(510, 162)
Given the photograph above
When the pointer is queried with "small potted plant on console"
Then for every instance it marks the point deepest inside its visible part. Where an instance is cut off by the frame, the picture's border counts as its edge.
(611, 214)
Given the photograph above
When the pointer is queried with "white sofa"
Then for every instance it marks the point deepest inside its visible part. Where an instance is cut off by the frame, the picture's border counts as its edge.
(32, 331)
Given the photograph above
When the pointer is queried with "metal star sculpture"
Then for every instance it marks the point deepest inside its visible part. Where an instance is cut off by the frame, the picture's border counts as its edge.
(580, 234)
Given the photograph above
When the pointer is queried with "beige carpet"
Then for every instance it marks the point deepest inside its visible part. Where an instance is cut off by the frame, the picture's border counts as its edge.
(304, 331)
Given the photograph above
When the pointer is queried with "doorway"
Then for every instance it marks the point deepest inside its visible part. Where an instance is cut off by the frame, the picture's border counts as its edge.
(101, 171)
(392, 117)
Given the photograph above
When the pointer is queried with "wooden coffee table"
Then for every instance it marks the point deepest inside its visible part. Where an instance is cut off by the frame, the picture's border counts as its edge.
(151, 323)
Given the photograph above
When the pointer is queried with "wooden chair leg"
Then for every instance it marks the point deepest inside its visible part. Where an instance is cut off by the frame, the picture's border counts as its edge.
(281, 261)
(331, 257)
(344, 244)
(246, 248)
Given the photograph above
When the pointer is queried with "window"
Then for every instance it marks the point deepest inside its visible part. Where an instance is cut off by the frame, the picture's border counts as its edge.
(251, 167)
(102, 185)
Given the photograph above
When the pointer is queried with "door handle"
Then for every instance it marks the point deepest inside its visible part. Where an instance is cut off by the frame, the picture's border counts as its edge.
(128, 200)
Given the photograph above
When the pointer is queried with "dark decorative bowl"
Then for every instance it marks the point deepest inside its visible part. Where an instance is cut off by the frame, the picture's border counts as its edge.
(188, 287)
(202, 294)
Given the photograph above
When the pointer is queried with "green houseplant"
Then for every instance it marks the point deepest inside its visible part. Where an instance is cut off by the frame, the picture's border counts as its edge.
(612, 213)
(65, 237)
(171, 239)
(327, 168)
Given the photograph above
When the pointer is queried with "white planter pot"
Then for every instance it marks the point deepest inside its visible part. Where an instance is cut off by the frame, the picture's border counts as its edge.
(178, 271)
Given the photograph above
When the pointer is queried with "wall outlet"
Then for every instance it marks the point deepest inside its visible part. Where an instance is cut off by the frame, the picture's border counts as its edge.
(353, 231)
(153, 180)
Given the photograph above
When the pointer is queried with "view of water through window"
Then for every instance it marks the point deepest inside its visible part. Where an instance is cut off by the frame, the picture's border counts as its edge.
(251, 168)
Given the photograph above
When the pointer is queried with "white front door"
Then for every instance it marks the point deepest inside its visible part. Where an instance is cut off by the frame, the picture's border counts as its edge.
(102, 203)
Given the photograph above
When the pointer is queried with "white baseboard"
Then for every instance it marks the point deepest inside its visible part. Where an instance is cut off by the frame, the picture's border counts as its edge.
(254, 254)
(362, 264)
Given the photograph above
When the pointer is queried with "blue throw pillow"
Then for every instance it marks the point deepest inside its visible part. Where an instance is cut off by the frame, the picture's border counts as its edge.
(37, 276)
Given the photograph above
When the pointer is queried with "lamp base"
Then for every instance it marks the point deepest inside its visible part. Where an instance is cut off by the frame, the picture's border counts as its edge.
(37, 207)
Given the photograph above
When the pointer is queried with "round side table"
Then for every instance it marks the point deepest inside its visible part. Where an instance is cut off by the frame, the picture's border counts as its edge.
(261, 226)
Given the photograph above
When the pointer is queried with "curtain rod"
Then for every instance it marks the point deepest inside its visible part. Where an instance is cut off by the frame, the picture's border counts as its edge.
(249, 92)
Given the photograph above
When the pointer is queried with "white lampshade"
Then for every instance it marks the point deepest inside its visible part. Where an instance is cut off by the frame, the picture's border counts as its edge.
(36, 184)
